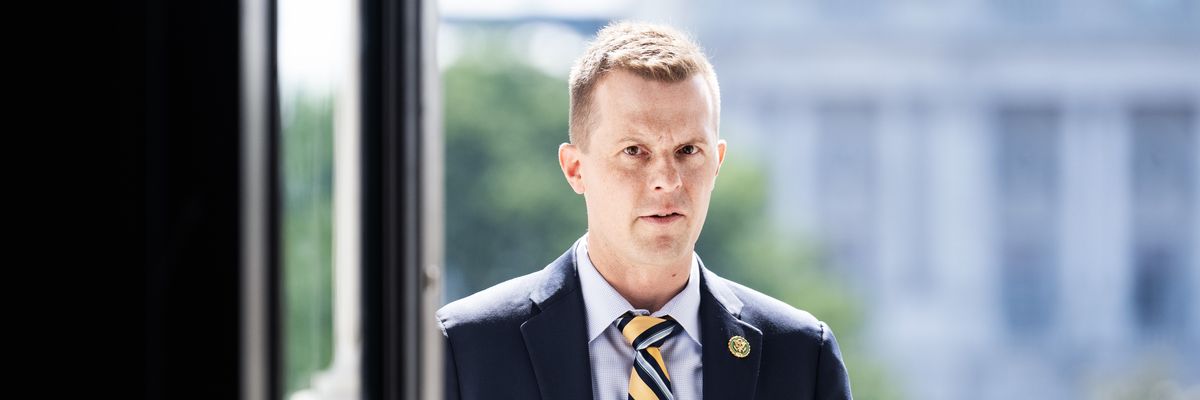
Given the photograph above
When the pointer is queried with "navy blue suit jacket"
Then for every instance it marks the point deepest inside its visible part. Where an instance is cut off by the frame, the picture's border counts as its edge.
(526, 339)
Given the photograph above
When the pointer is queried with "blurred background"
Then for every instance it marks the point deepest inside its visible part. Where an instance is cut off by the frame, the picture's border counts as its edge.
(985, 199)
(988, 199)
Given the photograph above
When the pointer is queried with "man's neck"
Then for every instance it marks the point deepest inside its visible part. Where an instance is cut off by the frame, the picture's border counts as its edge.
(645, 286)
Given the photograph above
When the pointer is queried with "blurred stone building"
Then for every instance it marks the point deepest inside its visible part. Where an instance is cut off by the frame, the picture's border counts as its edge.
(1011, 187)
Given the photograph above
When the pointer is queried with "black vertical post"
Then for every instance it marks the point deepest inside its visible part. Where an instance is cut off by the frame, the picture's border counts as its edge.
(182, 105)
(392, 187)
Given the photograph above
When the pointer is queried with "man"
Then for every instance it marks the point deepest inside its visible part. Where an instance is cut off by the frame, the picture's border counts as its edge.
(630, 311)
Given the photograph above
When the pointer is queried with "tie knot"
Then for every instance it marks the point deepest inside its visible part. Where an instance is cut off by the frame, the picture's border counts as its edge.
(643, 331)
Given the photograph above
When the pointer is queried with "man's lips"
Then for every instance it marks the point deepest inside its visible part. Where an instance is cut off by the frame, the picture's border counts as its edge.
(663, 212)
(664, 217)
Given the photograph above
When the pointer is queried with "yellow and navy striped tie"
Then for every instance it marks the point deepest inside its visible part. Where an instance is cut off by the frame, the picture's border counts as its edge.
(649, 378)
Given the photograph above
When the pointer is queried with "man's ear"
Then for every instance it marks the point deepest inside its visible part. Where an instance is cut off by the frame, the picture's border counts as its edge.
(720, 155)
(569, 160)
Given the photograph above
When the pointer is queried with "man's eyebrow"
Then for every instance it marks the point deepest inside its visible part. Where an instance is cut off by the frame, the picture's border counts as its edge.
(697, 139)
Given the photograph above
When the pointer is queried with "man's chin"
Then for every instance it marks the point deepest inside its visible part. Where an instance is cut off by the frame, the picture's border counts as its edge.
(663, 245)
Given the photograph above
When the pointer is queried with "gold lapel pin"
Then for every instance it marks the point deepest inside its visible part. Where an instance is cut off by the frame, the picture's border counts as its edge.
(739, 346)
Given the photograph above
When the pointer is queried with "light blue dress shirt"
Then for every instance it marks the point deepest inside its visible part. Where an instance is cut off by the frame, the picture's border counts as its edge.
(612, 358)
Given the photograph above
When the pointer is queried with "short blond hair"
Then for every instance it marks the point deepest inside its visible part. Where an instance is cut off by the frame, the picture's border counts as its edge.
(653, 52)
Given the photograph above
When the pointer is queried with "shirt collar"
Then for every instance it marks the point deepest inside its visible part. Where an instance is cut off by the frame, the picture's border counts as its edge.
(604, 304)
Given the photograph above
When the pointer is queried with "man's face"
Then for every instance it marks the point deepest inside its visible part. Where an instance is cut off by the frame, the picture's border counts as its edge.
(651, 161)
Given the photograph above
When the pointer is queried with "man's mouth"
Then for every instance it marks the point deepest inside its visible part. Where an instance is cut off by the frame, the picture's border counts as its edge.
(663, 218)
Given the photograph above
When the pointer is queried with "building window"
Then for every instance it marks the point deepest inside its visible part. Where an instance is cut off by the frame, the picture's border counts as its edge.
(1163, 196)
(1027, 150)
(846, 184)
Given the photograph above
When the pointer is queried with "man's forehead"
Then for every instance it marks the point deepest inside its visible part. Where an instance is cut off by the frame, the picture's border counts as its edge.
(633, 108)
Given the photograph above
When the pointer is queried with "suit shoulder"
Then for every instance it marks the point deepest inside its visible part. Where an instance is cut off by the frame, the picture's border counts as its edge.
(504, 303)
(774, 317)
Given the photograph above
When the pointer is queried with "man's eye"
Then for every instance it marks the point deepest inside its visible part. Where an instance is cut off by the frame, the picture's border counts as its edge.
(633, 150)
(689, 149)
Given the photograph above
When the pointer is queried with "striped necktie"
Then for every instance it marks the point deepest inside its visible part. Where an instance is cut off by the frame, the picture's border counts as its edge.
(649, 378)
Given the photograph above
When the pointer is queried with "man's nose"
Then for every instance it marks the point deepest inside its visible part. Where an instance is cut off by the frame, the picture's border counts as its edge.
(664, 175)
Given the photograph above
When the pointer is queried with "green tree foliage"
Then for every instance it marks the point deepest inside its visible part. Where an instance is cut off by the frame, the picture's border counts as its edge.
(307, 174)
(509, 211)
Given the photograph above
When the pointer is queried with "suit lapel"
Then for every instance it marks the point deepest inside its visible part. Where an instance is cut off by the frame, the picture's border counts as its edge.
(556, 338)
(725, 375)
